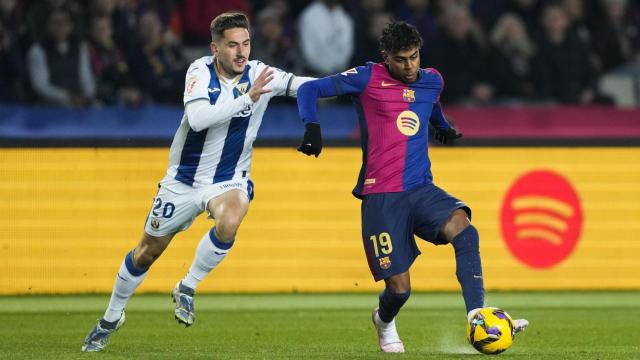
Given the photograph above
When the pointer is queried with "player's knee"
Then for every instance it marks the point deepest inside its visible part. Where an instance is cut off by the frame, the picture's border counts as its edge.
(458, 223)
(226, 229)
(398, 284)
(467, 239)
(399, 288)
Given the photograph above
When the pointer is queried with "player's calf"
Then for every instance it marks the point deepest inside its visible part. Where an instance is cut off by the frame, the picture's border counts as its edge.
(384, 319)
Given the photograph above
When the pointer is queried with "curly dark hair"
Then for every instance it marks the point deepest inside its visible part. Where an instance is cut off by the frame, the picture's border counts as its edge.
(399, 35)
(226, 21)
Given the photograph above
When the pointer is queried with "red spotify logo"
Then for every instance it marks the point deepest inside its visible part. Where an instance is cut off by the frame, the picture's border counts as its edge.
(541, 218)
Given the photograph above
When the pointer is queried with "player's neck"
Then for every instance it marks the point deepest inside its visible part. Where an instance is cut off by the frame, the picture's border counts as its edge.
(399, 78)
(223, 75)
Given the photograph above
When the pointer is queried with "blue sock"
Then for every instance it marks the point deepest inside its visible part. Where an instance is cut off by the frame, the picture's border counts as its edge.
(469, 267)
(390, 304)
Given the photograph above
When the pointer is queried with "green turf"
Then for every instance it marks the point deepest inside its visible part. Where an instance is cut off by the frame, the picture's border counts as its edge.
(304, 326)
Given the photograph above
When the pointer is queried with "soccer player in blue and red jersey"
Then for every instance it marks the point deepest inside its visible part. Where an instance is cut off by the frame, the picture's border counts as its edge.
(396, 101)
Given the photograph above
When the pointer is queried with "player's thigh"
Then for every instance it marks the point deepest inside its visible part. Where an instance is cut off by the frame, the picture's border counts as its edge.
(227, 199)
(387, 234)
(174, 209)
(431, 209)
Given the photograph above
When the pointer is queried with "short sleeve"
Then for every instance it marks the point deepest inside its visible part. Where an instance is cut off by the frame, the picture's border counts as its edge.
(352, 81)
(196, 85)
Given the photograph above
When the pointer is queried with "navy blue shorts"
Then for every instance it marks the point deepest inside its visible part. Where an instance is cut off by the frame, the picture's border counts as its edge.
(390, 221)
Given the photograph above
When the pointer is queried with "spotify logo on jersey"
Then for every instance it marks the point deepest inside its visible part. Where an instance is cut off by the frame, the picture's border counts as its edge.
(408, 123)
(541, 218)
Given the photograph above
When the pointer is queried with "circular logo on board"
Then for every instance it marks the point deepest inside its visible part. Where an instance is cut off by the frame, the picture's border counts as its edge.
(541, 218)
(408, 123)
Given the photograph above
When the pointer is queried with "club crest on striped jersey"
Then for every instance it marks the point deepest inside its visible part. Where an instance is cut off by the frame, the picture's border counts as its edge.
(408, 95)
(408, 123)
(242, 88)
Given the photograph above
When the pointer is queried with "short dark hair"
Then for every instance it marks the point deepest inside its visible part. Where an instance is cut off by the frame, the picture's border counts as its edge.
(227, 21)
(399, 35)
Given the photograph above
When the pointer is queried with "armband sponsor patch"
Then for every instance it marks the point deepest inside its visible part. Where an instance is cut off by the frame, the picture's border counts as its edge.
(352, 71)
(190, 85)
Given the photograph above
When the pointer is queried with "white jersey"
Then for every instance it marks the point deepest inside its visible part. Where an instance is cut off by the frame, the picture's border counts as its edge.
(223, 151)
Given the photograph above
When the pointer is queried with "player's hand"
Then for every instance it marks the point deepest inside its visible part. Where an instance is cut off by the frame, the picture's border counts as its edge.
(444, 136)
(312, 140)
(258, 88)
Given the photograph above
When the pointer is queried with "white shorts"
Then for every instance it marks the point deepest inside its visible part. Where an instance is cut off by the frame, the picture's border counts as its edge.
(177, 205)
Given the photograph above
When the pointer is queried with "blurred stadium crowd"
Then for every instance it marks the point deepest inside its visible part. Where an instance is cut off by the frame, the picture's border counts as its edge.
(131, 52)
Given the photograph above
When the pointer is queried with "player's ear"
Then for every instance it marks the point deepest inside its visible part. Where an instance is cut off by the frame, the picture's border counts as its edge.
(385, 57)
(214, 48)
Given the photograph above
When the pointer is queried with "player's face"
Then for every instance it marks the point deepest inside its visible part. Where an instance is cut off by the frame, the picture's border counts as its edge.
(404, 64)
(232, 51)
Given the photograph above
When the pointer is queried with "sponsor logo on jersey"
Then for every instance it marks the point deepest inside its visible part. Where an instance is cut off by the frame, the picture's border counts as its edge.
(541, 219)
(408, 95)
(408, 123)
(385, 262)
(369, 181)
(246, 112)
(386, 84)
(231, 185)
(213, 90)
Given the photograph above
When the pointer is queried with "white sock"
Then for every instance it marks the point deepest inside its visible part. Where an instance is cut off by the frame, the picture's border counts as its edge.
(209, 254)
(128, 279)
(387, 329)
(472, 313)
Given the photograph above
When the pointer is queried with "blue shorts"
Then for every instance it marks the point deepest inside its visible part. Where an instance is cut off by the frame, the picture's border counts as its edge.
(390, 221)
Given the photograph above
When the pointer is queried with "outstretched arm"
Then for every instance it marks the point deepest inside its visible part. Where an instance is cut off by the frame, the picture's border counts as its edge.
(308, 95)
(202, 115)
(352, 81)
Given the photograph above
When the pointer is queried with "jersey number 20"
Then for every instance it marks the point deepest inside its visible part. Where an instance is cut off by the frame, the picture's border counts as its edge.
(167, 210)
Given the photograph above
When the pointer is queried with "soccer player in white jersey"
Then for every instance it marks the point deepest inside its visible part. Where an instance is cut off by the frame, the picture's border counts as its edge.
(225, 98)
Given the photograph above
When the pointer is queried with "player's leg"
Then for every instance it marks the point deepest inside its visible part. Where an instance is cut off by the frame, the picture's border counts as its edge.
(390, 250)
(132, 272)
(228, 210)
(395, 294)
(464, 237)
(173, 210)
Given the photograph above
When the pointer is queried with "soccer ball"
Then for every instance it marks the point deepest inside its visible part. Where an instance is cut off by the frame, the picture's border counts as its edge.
(490, 331)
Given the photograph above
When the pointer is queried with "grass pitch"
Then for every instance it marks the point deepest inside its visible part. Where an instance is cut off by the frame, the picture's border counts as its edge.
(598, 325)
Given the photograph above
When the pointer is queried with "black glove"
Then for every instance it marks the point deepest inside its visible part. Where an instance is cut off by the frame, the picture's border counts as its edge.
(312, 140)
(443, 136)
